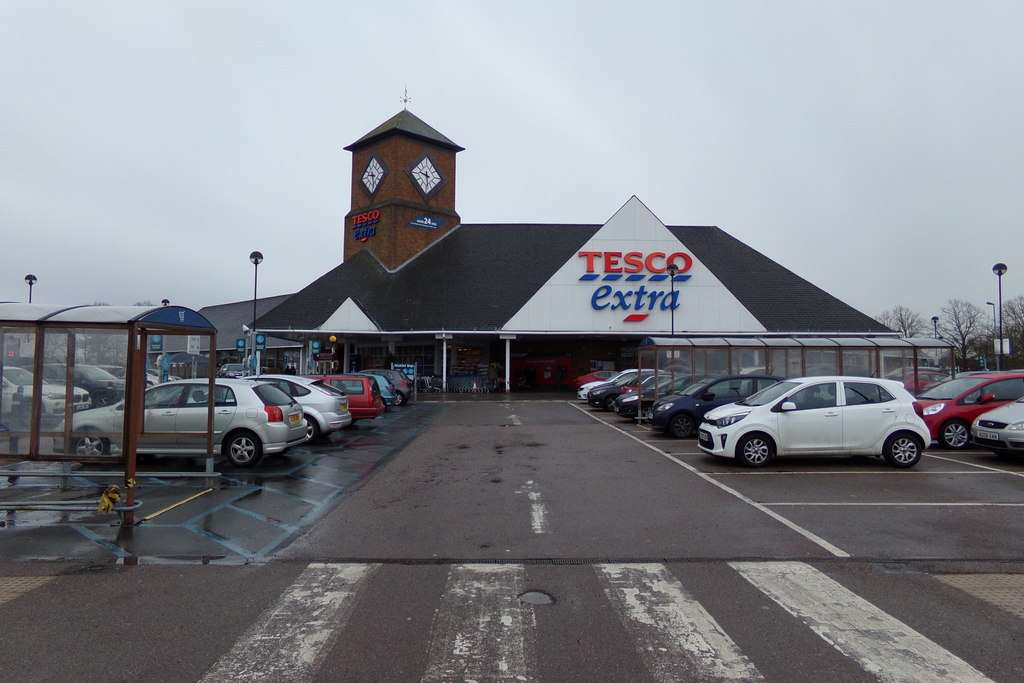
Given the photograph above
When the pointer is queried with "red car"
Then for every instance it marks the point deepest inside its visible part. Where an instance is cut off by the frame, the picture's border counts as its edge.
(595, 376)
(364, 399)
(949, 408)
(925, 378)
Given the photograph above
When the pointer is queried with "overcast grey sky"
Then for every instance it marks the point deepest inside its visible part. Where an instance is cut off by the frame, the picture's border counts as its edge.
(875, 148)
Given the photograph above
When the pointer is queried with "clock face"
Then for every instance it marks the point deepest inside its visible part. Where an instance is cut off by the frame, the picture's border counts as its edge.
(373, 175)
(426, 176)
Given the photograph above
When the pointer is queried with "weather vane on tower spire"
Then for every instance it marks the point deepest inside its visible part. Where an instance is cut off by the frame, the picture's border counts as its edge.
(405, 99)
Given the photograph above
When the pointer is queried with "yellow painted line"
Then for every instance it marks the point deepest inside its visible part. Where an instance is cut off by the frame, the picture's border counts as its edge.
(15, 586)
(171, 507)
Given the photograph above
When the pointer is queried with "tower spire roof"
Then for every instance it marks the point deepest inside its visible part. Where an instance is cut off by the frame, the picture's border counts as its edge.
(407, 123)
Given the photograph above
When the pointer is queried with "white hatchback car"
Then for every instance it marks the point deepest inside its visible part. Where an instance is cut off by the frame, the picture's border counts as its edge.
(819, 416)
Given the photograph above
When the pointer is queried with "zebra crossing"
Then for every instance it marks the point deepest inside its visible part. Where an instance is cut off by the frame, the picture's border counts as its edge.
(482, 631)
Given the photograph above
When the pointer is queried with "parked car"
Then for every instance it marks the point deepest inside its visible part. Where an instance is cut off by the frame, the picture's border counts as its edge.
(595, 376)
(1001, 430)
(364, 399)
(951, 407)
(324, 407)
(231, 370)
(387, 392)
(17, 393)
(603, 395)
(923, 378)
(401, 383)
(679, 414)
(818, 416)
(585, 388)
(103, 388)
(251, 419)
(627, 405)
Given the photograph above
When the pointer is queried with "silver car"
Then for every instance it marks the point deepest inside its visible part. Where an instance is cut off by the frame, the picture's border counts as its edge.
(325, 408)
(1001, 430)
(251, 419)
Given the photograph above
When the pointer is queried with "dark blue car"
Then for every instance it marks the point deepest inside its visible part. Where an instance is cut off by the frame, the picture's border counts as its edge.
(679, 414)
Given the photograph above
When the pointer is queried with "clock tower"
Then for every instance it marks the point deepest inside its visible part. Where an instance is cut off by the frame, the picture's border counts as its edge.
(403, 190)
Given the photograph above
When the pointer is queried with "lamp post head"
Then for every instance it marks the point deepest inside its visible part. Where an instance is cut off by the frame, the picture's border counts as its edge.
(30, 279)
(672, 269)
(164, 302)
(999, 269)
(256, 258)
(935, 319)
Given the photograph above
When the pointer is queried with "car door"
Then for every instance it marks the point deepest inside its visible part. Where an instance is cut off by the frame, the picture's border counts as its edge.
(816, 423)
(869, 412)
(161, 413)
(192, 415)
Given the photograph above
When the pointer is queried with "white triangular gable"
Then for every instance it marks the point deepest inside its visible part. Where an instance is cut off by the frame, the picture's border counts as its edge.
(624, 294)
(349, 318)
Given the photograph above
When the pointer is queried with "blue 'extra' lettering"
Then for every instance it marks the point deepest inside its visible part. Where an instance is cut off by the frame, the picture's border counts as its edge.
(639, 299)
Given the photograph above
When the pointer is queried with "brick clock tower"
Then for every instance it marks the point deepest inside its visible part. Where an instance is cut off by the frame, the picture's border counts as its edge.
(403, 190)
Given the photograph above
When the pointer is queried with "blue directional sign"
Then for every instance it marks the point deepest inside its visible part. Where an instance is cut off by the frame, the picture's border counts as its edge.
(240, 345)
(156, 342)
(261, 341)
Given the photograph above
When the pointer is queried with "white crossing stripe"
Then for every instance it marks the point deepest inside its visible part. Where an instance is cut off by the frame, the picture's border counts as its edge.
(287, 640)
(481, 631)
(672, 630)
(884, 646)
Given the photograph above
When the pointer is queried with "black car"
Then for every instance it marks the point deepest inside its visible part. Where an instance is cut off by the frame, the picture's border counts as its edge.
(103, 387)
(628, 403)
(679, 414)
(604, 395)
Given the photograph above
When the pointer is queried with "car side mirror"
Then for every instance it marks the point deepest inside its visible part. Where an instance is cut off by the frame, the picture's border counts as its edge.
(708, 396)
(787, 406)
(986, 398)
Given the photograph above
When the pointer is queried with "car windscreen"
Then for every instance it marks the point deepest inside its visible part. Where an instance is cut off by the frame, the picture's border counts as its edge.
(769, 394)
(271, 395)
(952, 388)
(19, 376)
(329, 388)
(94, 374)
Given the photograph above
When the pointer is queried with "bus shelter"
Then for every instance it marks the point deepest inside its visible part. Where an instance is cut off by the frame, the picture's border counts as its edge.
(56, 362)
(798, 356)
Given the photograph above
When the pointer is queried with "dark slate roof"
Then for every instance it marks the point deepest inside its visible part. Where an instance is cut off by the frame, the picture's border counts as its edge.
(408, 123)
(478, 276)
(781, 300)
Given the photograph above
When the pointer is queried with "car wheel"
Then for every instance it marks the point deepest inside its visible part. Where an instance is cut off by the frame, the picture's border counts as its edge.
(903, 450)
(400, 398)
(92, 445)
(609, 403)
(755, 450)
(955, 435)
(312, 428)
(101, 399)
(681, 426)
(243, 449)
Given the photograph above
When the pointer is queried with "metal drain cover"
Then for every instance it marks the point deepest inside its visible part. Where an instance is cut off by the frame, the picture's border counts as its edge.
(536, 598)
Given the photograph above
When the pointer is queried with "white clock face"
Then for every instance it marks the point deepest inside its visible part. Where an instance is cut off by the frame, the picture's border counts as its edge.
(373, 174)
(426, 175)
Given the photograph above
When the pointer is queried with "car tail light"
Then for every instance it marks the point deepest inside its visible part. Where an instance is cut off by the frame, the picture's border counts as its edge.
(274, 413)
(919, 409)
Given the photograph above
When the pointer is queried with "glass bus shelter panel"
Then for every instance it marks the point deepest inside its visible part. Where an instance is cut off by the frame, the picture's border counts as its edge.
(710, 362)
(749, 361)
(821, 362)
(860, 362)
(897, 363)
(678, 360)
(785, 362)
(17, 353)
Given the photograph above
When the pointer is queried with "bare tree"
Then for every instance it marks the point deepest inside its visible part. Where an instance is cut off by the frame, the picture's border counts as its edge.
(903, 320)
(1013, 329)
(963, 324)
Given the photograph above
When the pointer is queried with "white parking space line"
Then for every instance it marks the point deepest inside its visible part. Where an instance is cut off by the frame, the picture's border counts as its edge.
(897, 504)
(538, 511)
(814, 538)
(286, 642)
(881, 644)
(669, 626)
(481, 631)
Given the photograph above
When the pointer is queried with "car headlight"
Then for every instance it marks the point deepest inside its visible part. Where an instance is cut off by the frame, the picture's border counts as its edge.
(934, 408)
(663, 407)
(731, 419)
(1016, 426)
(53, 395)
(626, 399)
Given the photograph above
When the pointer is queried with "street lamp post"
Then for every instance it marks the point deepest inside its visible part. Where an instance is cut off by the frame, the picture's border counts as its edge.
(672, 269)
(935, 326)
(256, 258)
(30, 280)
(993, 305)
(1000, 269)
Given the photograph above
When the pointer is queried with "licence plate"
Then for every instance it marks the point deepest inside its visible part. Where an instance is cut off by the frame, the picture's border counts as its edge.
(987, 435)
(293, 418)
(704, 437)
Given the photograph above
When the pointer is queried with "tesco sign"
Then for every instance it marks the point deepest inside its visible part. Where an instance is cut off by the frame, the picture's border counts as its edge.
(639, 271)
